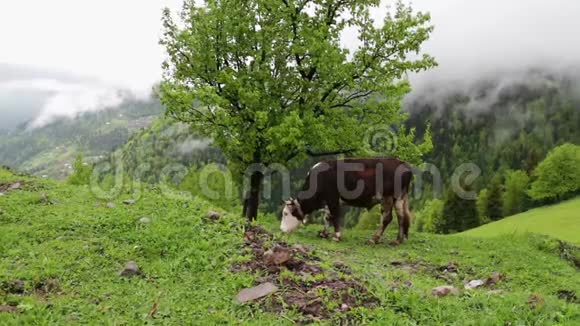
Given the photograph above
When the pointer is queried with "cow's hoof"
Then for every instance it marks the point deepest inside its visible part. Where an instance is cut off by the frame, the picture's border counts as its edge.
(373, 241)
(323, 234)
(395, 243)
(336, 239)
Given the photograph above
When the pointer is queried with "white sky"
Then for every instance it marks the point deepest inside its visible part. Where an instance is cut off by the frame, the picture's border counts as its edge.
(117, 40)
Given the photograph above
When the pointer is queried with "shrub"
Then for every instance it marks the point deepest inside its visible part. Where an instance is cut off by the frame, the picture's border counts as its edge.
(81, 172)
(515, 199)
(481, 204)
(370, 219)
(558, 176)
(430, 218)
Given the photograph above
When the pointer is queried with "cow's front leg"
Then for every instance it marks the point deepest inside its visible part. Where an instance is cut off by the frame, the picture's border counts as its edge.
(335, 221)
(327, 217)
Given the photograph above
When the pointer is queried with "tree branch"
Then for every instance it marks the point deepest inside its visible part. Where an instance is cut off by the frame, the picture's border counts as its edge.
(344, 151)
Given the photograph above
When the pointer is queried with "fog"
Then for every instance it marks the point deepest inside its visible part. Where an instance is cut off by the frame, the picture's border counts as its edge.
(112, 46)
(54, 97)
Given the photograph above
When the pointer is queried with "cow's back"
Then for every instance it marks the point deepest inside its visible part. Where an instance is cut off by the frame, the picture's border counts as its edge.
(342, 179)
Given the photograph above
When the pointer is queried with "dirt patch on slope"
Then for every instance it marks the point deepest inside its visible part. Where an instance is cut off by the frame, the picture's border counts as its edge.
(10, 186)
(315, 292)
(570, 253)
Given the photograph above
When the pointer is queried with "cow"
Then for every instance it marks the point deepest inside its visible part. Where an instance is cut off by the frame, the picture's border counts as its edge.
(362, 182)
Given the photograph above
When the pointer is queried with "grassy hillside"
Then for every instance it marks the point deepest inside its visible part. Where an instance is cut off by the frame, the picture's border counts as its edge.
(561, 221)
(61, 251)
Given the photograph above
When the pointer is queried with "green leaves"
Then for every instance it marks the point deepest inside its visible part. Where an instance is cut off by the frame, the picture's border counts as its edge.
(81, 172)
(269, 80)
(558, 175)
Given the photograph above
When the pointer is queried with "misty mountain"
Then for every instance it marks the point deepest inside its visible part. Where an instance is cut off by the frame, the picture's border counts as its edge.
(37, 96)
(501, 122)
(49, 150)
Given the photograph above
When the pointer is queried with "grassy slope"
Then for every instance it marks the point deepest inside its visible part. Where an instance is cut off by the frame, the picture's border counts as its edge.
(560, 221)
(186, 262)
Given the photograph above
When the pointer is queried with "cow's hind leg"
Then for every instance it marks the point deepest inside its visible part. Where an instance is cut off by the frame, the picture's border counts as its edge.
(402, 219)
(386, 218)
(408, 218)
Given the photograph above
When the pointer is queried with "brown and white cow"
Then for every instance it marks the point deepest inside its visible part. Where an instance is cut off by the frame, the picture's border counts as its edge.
(354, 182)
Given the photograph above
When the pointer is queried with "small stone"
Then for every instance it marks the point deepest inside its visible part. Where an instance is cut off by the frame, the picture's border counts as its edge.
(144, 220)
(213, 215)
(344, 307)
(408, 284)
(494, 278)
(130, 269)
(474, 284)
(444, 290)
(256, 292)
(110, 205)
(129, 201)
(300, 248)
(278, 256)
(452, 267)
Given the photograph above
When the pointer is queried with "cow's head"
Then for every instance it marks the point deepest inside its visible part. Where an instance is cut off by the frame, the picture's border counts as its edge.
(292, 216)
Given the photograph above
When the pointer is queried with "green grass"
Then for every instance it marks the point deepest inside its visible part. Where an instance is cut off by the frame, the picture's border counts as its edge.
(186, 261)
(561, 221)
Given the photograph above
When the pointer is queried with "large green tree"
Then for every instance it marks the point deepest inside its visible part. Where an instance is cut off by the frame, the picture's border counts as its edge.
(558, 175)
(458, 214)
(271, 82)
(515, 199)
(494, 199)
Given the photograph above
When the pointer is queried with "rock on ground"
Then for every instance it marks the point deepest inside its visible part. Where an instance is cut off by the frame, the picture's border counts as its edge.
(256, 292)
(278, 256)
(474, 284)
(144, 220)
(444, 290)
(131, 269)
(213, 215)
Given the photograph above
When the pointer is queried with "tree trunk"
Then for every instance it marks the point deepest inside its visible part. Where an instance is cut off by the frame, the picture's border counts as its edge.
(252, 200)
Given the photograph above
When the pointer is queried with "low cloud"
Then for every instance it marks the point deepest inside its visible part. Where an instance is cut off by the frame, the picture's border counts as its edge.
(192, 144)
(67, 99)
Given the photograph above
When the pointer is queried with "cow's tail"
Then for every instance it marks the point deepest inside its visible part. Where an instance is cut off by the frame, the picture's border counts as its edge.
(404, 177)
(407, 183)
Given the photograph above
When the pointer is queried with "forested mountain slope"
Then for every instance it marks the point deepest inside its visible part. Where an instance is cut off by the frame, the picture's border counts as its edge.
(499, 123)
(50, 150)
